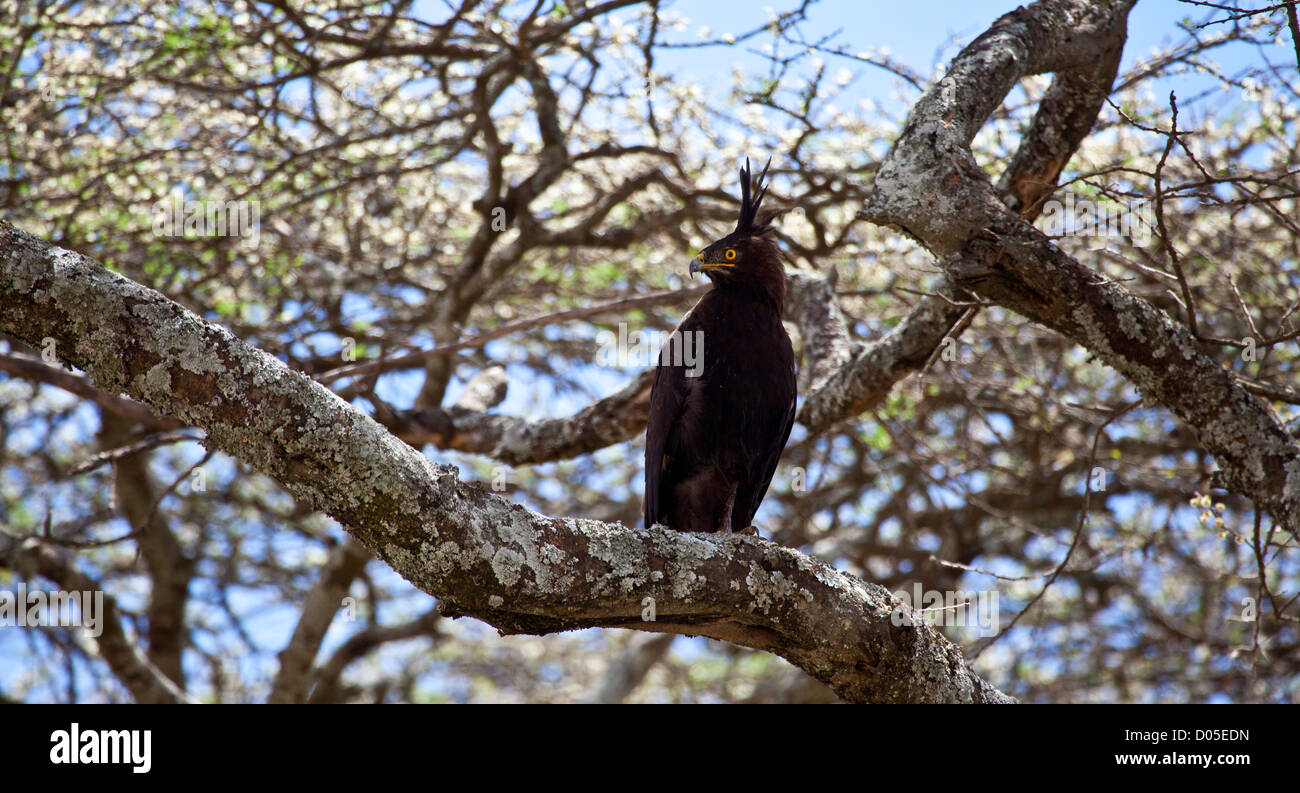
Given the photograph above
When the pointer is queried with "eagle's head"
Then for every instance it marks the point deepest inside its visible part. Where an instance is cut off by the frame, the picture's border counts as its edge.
(748, 257)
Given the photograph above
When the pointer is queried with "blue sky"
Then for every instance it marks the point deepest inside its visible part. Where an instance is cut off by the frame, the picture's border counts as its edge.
(918, 34)
(921, 34)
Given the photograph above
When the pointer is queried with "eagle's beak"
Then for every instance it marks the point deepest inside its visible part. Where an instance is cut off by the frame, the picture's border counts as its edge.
(696, 267)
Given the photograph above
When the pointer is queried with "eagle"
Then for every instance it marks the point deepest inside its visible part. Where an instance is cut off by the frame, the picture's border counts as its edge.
(719, 422)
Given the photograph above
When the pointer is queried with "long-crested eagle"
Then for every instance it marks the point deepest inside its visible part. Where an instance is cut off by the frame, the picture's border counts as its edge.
(718, 423)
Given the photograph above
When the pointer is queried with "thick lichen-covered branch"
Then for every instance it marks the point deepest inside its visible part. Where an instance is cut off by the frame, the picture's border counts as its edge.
(930, 186)
(480, 554)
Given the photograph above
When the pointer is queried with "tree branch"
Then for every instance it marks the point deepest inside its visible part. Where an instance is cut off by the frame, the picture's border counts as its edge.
(38, 371)
(931, 186)
(294, 678)
(480, 554)
(31, 558)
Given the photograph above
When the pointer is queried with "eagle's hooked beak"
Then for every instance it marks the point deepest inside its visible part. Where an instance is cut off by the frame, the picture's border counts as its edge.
(698, 265)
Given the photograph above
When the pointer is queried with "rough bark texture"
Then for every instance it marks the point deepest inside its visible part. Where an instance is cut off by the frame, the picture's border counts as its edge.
(930, 186)
(871, 371)
(524, 572)
(480, 554)
(840, 381)
(38, 371)
(811, 304)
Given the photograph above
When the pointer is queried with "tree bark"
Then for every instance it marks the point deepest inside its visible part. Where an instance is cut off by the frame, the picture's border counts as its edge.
(931, 186)
(479, 554)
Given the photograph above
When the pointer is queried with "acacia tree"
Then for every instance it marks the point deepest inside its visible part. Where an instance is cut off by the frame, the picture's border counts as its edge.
(473, 199)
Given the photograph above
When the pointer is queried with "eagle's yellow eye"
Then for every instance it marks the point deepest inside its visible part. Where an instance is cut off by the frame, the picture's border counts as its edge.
(730, 254)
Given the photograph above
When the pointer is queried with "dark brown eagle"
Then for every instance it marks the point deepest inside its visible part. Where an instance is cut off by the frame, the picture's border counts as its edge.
(718, 423)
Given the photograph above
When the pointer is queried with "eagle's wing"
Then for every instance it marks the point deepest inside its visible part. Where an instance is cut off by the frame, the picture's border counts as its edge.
(761, 467)
(667, 398)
